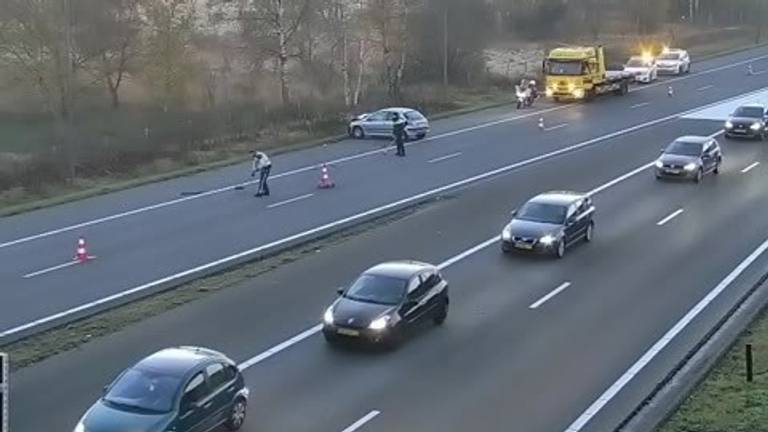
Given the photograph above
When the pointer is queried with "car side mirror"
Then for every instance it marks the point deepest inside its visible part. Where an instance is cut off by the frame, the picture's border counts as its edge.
(340, 290)
(513, 213)
(409, 303)
(105, 390)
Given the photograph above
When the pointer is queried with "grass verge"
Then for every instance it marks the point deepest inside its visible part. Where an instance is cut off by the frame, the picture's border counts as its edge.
(725, 401)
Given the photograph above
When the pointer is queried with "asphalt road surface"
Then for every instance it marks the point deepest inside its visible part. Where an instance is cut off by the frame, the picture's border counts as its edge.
(150, 233)
(499, 363)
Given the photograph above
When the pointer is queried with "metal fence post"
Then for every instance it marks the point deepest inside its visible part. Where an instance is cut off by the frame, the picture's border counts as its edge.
(748, 356)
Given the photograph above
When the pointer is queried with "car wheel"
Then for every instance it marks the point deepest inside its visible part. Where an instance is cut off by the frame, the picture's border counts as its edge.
(699, 176)
(717, 167)
(420, 136)
(679, 70)
(237, 415)
(560, 249)
(441, 315)
(357, 132)
(588, 235)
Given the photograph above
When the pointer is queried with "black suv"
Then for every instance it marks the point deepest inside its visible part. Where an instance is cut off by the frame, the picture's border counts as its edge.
(185, 389)
(550, 223)
(747, 121)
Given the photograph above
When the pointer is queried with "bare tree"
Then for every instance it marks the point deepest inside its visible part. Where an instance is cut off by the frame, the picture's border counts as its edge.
(270, 26)
(36, 44)
(389, 22)
(170, 27)
(110, 40)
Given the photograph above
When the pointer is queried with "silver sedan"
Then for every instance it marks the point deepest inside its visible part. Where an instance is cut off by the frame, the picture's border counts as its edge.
(380, 123)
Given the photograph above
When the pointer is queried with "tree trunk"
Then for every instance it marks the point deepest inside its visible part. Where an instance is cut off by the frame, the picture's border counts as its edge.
(360, 72)
(345, 57)
(283, 53)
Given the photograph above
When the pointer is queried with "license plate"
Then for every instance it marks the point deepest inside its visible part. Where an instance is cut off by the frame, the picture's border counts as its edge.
(673, 171)
(348, 332)
(523, 245)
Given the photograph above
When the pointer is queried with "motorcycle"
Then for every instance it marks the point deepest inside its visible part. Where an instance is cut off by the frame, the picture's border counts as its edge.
(525, 97)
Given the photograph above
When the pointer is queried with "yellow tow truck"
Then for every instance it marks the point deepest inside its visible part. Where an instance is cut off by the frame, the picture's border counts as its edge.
(574, 73)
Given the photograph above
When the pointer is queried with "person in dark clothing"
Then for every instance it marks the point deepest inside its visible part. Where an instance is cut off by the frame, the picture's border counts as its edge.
(263, 166)
(398, 130)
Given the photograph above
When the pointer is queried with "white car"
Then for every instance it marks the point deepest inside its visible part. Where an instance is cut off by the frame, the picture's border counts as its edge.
(380, 124)
(644, 69)
(674, 61)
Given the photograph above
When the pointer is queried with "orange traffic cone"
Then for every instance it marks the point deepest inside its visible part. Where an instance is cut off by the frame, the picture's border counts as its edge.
(325, 178)
(81, 252)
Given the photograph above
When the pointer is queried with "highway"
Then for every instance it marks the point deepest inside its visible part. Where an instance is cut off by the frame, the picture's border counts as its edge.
(137, 234)
(530, 343)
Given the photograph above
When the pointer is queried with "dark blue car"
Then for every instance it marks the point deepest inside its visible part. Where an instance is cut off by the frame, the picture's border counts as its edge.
(185, 389)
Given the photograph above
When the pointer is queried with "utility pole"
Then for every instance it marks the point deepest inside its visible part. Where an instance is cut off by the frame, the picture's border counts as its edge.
(445, 46)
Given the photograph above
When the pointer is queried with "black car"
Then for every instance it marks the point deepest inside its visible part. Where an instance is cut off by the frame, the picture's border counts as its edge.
(550, 223)
(748, 121)
(385, 301)
(690, 157)
(187, 389)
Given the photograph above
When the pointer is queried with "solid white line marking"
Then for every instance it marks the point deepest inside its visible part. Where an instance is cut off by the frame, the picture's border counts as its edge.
(706, 87)
(471, 251)
(353, 157)
(446, 157)
(560, 126)
(288, 201)
(649, 355)
(674, 214)
(346, 220)
(554, 292)
(360, 423)
(750, 167)
(50, 269)
(280, 347)
(640, 105)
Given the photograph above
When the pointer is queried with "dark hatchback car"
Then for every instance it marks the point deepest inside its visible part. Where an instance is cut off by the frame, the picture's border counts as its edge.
(550, 223)
(690, 157)
(747, 121)
(185, 389)
(385, 301)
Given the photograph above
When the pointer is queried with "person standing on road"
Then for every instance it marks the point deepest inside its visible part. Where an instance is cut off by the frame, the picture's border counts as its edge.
(398, 130)
(263, 165)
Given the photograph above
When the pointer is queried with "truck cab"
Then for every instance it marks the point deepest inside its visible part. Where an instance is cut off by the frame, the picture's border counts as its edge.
(580, 73)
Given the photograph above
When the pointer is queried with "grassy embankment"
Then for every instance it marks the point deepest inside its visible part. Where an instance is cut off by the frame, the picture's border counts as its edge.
(725, 401)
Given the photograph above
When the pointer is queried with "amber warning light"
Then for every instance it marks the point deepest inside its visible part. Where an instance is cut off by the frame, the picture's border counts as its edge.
(4, 388)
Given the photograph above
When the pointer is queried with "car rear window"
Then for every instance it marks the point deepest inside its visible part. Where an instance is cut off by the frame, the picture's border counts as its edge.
(144, 390)
(413, 115)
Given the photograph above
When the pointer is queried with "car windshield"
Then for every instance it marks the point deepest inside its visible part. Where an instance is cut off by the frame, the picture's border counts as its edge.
(545, 213)
(564, 67)
(684, 148)
(637, 62)
(413, 115)
(377, 289)
(669, 56)
(146, 390)
(752, 112)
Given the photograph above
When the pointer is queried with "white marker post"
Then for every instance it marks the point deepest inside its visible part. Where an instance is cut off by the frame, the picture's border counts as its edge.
(4, 389)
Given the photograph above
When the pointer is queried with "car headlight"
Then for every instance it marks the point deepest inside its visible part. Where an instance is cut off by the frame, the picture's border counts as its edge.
(379, 323)
(549, 92)
(547, 240)
(728, 125)
(79, 427)
(578, 93)
(756, 126)
(690, 167)
(328, 316)
(506, 234)
(659, 164)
